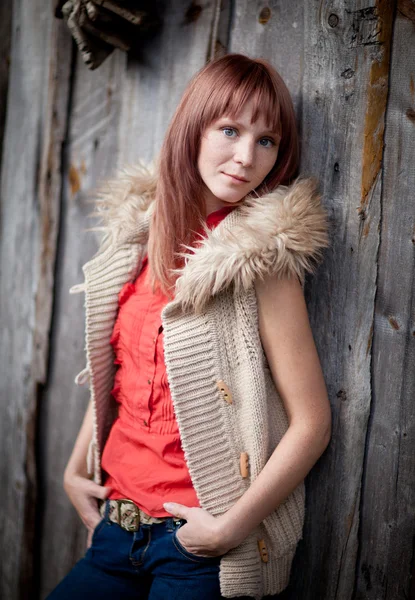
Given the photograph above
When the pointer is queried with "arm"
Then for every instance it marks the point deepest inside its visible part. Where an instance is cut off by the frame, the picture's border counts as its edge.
(82, 492)
(289, 346)
(77, 461)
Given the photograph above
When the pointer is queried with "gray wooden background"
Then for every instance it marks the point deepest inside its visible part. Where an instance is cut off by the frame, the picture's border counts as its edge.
(350, 66)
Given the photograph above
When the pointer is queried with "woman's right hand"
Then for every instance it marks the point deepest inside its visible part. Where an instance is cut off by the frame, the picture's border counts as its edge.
(84, 494)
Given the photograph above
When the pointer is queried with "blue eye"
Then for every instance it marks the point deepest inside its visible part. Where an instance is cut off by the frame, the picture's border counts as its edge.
(231, 129)
(271, 142)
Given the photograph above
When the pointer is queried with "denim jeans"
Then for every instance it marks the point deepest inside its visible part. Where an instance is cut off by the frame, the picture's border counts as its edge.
(147, 564)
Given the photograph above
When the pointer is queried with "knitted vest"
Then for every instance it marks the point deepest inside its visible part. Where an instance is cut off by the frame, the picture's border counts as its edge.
(228, 410)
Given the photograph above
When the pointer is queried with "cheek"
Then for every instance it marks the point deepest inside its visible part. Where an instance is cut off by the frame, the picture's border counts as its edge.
(266, 165)
(208, 154)
(216, 147)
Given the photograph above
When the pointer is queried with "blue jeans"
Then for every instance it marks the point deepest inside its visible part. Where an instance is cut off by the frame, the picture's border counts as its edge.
(147, 564)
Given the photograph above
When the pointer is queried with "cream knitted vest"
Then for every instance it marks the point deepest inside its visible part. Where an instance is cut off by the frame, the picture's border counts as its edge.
(211, 336)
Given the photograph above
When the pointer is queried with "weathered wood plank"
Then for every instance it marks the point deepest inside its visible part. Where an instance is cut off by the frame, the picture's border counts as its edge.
(344, 90)
(119, 113)
(30, 185)
(90, 149)
(5, 41)
(221, 29)
(387, 531)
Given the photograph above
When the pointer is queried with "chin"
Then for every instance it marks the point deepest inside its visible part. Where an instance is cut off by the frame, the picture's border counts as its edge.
(229, 198)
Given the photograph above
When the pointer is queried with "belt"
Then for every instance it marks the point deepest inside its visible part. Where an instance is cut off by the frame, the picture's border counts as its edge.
(128, 515)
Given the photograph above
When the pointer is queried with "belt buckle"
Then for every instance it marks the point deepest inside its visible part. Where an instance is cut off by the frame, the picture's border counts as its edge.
(127, 520)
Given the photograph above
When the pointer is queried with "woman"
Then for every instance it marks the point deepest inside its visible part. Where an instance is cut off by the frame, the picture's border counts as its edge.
(197, 291)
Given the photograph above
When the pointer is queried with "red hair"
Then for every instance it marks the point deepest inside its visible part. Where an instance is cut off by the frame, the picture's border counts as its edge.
(222, 87)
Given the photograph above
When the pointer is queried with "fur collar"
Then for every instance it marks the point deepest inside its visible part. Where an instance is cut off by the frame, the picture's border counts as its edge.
(281, 233)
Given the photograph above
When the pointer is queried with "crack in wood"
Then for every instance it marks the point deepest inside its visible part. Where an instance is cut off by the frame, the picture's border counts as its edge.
(377, 94)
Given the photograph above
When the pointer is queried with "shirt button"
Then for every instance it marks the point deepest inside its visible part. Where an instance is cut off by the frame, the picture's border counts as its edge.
(148, 381)
(154, 340)
(145, 422)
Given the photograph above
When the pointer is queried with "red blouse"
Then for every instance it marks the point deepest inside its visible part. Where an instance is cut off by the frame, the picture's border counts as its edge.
(143, 456)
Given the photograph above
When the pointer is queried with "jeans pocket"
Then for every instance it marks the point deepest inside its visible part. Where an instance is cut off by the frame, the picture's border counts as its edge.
(193, 557)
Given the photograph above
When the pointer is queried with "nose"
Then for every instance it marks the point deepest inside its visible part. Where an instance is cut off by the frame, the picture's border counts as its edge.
(244, 152)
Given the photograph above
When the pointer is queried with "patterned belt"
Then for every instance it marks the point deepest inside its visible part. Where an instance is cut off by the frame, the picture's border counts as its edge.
(128, 515)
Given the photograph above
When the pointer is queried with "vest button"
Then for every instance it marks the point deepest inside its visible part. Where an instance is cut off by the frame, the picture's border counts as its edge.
(263, 551)
(224, 391)
(244, 464)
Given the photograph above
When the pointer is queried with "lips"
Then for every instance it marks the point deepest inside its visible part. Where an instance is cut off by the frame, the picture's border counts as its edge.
(237, 177)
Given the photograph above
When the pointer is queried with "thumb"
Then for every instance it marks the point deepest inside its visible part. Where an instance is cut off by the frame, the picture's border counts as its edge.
(101, 491)
(105, 491)
(177, 510)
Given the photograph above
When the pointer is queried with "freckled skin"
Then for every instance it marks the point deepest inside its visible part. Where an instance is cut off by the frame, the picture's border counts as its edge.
(235, 146)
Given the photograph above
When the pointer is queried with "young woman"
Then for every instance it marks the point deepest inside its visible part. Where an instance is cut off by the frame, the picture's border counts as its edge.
(201, 434)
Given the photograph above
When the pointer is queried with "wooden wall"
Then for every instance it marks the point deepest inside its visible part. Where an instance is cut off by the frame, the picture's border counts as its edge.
(350, 67)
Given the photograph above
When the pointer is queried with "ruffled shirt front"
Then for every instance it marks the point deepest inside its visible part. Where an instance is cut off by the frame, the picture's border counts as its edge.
(143, 456)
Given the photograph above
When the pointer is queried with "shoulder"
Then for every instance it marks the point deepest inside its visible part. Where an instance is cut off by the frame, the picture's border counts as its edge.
(283, 320)
(278, 295)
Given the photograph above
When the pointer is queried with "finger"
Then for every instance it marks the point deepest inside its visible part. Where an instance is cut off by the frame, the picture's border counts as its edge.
(104, 492)
(178, 510)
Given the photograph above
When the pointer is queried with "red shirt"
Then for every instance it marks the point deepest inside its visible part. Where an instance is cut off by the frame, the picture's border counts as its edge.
(143, 456)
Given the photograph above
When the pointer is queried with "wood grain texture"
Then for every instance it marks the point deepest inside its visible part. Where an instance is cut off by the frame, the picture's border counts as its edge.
(344, 104)
(30, 187)
(386, 551)
(91, 145)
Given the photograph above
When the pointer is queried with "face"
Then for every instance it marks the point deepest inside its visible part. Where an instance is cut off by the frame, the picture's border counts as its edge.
(235, 157)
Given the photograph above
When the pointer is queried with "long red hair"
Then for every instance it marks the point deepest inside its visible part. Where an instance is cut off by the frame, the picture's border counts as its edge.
(222, 87)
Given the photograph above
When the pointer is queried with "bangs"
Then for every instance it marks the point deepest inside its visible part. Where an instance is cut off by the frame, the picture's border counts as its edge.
(230, 94)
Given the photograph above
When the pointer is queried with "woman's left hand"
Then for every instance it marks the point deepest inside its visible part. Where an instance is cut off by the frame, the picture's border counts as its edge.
(202, 534)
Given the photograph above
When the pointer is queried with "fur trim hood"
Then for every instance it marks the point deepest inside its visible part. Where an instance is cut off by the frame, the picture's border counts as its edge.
(281, 233)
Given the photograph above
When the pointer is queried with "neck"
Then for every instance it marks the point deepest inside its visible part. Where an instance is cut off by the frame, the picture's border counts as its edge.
(212, 203)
